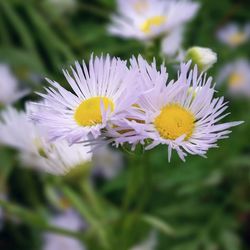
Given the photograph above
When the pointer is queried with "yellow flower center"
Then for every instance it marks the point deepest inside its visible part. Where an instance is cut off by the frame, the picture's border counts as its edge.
(155, 21)
(236, 80)
(174, 121)
(237, 38)
(140, 6)
(89, 112)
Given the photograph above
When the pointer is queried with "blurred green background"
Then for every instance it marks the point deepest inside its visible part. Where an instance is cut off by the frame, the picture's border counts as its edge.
(202, 204)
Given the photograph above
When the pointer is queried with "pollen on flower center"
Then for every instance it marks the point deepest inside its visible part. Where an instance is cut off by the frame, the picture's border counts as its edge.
(147, 26)
(89, 112)
(174, 121)
(235, 79)
(238, 38)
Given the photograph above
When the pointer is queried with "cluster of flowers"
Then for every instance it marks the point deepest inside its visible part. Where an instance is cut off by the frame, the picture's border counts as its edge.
(117, 104)
(237, 73)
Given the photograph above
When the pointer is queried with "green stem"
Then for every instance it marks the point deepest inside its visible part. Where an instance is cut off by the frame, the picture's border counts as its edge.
(87, 214)
(91, 195)
(93, 10)
(34, 219)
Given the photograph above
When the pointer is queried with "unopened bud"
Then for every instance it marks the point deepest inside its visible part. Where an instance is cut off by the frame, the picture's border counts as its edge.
(204, 58)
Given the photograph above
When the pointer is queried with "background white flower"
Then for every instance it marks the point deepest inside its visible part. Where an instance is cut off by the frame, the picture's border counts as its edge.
(237, 77)
(147, 19)
(9, 89)
(34, 148)
(234, 35)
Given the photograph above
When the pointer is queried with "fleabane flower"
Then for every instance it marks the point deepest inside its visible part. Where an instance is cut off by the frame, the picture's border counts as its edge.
(10, 91)
(147, 19)
(102, 92)
(34, 148)
(237, 77)
(68, 220)
(234, 35)
(183, 115)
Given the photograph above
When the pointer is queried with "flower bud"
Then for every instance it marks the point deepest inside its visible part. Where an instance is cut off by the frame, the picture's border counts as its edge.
(203, 57)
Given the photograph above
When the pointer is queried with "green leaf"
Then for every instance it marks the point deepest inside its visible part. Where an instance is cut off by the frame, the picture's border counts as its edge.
(159, 224)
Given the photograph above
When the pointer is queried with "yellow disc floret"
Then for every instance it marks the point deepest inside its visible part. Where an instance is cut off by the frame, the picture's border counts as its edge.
(155, 21)
(237, 38)
(174, 121)
(236, 79)
(89, 112)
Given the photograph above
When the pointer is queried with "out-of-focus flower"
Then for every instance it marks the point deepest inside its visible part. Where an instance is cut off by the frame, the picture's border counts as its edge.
(17, 131)
(10, 92)
(149, 244)
(234, 35)
(237, 77)
(172, 43)
(172, 115)
(69, 220)
(147, 19)
(103, 92)
(204, 58)
(107, 162)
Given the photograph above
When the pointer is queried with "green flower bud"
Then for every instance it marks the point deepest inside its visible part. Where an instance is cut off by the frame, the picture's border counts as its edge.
(204, 58)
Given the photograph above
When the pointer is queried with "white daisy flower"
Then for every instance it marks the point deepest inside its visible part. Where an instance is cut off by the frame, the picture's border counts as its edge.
(10, 92)
(147, 19)
(69, 220)
(234, 35)
(237, 77)
(171, 46)
(103, 92)
(35, 151)
(171, 114)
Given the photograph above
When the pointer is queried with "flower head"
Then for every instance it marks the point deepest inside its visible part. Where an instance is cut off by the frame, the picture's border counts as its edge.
(9, 86)
(234, 35)
(183, 114)
(101, 93)
(35, 150)
(147, 19)
(237, 77)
